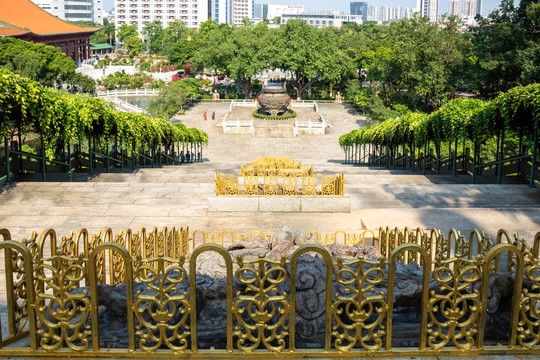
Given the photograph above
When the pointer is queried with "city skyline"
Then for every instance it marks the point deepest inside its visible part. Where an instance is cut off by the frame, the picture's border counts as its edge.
(344, 5)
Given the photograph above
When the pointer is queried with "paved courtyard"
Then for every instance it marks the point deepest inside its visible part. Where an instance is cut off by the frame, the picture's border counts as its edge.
(178, 195)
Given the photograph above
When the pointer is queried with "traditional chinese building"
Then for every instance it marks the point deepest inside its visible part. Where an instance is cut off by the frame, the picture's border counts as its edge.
(25, 20)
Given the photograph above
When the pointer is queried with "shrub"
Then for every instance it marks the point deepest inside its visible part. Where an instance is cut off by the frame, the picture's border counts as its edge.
(284, 117)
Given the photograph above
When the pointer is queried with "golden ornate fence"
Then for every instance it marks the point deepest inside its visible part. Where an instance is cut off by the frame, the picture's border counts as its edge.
(47, 306)
(278, 176)
(283, 185)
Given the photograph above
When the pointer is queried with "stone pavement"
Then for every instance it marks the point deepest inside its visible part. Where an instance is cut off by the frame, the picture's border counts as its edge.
(178, 195)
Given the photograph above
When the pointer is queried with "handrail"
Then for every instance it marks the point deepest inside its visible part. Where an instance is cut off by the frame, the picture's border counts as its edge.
(151, 272)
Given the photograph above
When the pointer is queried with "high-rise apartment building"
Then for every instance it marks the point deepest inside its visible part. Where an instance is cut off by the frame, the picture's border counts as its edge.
(218, 10)
(430, 9)
(360, 8)
(472, 8)
(385, 13)
(324, 19)
(454, 7)
(142, 12)
(231, 11)
(74, 10)
(272, 11)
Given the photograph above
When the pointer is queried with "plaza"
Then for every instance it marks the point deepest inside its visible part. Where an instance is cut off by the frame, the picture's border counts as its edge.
(178, 195)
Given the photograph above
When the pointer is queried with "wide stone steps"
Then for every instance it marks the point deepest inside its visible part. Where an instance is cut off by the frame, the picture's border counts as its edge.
(94, 194)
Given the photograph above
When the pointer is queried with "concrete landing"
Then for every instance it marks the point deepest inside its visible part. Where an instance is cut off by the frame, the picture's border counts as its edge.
(280, 204)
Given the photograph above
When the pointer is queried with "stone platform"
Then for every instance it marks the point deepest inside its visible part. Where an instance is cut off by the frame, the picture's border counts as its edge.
(295, 204)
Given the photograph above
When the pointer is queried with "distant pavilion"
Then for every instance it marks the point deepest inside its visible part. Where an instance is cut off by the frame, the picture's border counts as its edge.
(25, 20)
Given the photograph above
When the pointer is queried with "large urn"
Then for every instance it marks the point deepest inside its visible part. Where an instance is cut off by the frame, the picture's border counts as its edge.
(274, 101)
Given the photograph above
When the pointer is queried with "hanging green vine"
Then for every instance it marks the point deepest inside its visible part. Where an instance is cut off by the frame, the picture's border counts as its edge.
(459, 119)
(63, 118)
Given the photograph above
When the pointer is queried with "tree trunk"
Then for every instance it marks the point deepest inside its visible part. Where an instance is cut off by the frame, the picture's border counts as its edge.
(247, 91)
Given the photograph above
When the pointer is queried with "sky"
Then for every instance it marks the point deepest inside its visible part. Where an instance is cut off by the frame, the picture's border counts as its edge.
(343, 5)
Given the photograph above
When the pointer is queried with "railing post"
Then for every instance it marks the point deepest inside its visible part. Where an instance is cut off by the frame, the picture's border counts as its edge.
(438, 157)
(133, 156)
(6, 148)
(403, 154)
(43, 165)
(107, 154)
(475, 155)
(90, 155)
(501, 156)
(153, 155)
(70, 175)
(535, 146)
(413, 149)
(143, 157)
(121, 157)
(455, 157)
(424, 159)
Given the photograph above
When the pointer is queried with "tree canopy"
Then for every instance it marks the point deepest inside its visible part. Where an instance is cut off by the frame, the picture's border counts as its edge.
(43, 63)
(63, 118)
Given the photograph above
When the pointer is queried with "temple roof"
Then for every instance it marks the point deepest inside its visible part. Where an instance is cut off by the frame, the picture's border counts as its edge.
(20, 16)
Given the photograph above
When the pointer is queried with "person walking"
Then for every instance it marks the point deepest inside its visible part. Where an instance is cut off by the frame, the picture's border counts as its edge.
(213, 115)
(205, 116)
(188, 156)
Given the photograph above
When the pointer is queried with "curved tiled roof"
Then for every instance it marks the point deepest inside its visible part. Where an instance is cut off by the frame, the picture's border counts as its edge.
(24, 15)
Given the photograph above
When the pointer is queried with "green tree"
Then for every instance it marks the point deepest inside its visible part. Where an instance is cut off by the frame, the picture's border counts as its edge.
(83, 83)
(239, 51)
(506, 48)
(172, 34)
(426, 59)
(154, 34)
(127, 31)
(134, 45)
(173, 97)
(44, 63)
(308, 53)
(207, 27)
(110, 31)
(99, 38)
(183, 50)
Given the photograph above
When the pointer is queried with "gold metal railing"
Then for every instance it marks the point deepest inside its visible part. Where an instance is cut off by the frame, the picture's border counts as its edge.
(253, 170)
(316, 185)
(47, 306)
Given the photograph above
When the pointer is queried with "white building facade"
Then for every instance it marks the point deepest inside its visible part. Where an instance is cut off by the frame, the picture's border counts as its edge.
(74, 10)
(324, 19)
(472, 8)
(240, 9)
(429, 9)
(454, 7)
(385, 13)
(280, 10)
(142, 12)
(230, 11)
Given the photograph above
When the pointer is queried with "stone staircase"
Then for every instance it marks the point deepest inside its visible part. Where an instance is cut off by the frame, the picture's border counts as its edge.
(178, 195)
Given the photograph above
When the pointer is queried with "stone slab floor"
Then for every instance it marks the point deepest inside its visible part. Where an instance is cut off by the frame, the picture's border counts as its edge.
(178, 195)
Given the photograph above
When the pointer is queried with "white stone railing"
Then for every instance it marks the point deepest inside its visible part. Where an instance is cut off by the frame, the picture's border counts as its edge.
(127, 92)
(236, 123)
(125, 106)
(243, 103)
(237, 126)
(310, 127)
(302, 103)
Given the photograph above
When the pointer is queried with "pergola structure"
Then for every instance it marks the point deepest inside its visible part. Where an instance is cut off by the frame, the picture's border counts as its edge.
(26, 21)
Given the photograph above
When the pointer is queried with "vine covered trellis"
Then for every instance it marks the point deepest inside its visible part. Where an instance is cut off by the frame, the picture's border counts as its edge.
(502, 133)
(70, 132)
